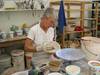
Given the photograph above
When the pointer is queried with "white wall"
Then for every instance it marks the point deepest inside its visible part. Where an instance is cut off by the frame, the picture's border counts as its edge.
(17, 18)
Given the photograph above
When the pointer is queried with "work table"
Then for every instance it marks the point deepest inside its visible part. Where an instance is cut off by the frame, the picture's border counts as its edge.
(11, 41)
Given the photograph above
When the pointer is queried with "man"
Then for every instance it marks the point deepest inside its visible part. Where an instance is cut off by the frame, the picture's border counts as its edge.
(40, 33)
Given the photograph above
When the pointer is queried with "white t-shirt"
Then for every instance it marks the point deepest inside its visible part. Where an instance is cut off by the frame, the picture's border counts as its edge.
(37, 34)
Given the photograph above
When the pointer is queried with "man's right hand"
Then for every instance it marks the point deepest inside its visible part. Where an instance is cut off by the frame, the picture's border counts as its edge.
(29, 46)
(39, 47)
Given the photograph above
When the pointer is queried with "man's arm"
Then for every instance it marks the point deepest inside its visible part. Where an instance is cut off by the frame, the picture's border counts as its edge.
(29, 45)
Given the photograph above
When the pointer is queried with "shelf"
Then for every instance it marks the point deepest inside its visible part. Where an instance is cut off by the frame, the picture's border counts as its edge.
(66, 3)
(91, 29)
(86, 30)
(7, 10)
(71, 32)
(89, 18)
(98, 23)
(73, 2)
(13, 39)
(73, 10)
(78, 9)
(72, 18)
(90, 9)
(77, 18)
(98, 9)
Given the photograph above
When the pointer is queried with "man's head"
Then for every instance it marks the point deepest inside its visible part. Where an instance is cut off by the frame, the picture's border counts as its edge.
(47, 19)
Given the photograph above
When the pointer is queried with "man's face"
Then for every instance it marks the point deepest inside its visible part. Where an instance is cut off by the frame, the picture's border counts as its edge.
(48, 22)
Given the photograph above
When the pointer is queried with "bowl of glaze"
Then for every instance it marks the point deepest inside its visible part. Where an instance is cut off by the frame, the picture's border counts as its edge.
(72, 70)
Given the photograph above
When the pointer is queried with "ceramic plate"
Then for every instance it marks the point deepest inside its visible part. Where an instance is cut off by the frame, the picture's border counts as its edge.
(70, 54)
(51, 47)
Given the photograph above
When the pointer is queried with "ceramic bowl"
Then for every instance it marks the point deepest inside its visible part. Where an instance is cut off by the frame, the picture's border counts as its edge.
(72, 70)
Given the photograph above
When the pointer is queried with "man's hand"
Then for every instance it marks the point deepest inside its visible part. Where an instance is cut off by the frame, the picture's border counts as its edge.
(29, 45)
(39, 47)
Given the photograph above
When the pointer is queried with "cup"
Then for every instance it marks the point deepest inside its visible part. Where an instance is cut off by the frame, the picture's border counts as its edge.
(19, 32)
(72, 70)
(3, 35)
(11, 34)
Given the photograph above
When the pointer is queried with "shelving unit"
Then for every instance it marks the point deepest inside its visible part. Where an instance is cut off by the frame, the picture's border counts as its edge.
(3, 10)
(92, 29)
(95, 5)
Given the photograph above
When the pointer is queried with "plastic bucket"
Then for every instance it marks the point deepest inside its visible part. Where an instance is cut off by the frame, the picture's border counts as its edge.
(91, 47)
(5, 62)
(18, 59)
(28, 57)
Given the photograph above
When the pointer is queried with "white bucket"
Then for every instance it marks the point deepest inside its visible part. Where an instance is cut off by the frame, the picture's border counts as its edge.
(5, 61)
(28, 57)
(18, 59)
(91, 47)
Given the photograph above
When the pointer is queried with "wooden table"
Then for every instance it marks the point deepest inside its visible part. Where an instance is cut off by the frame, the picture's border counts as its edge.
(12, 41)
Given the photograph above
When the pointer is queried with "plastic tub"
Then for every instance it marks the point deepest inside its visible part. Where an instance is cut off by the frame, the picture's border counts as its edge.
(18, 59)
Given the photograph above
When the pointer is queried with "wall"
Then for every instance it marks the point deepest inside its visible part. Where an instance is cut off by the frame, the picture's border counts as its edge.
(17, 18)
(8, 18)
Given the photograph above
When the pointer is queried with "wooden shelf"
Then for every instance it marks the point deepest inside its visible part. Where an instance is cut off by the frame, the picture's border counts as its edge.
(73, 10)
(13, 39)
(98, 23)
(72, 2)
(89, 18)
(90, 29)
(90, 9)
(66, 3)
(73, 18)
(71, 32)
(81, 19)
(86, 30)
(8, 10)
